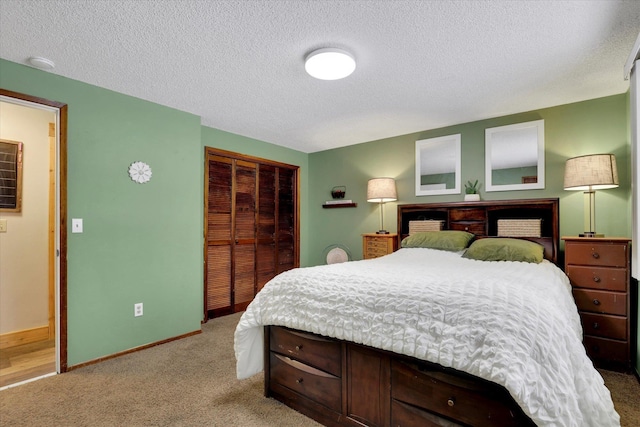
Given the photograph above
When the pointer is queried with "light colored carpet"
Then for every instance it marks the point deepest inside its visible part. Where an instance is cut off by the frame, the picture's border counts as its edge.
(189, 382)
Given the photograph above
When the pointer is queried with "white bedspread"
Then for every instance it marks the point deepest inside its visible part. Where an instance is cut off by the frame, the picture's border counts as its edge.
(512, 323)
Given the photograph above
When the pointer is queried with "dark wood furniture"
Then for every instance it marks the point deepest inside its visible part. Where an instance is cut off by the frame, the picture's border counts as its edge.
(481, 218)
(377, 245)
(251, 227)
(599, 270)
(341, 383)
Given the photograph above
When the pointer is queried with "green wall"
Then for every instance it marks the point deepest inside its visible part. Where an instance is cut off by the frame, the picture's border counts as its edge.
(598, 125)
(141, 243)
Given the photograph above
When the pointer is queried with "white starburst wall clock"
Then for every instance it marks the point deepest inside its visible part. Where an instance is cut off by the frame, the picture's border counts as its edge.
(140, 172)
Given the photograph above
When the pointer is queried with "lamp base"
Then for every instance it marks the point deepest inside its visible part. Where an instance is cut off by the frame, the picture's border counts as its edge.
(382, 232)
(590, 234)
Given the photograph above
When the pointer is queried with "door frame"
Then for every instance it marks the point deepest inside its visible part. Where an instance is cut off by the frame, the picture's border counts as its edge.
(61, 215)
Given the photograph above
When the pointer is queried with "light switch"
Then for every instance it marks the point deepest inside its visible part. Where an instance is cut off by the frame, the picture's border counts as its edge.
(3, 225)
(76, 225)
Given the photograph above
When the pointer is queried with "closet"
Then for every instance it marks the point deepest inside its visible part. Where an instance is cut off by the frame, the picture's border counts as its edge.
(251, 227)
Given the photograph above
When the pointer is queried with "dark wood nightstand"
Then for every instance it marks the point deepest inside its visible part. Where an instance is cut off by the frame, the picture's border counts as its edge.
(377, 245)
(599, 270)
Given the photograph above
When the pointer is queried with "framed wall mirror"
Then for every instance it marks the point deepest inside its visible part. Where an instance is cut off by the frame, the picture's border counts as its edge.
(438, 165)
(514, 157)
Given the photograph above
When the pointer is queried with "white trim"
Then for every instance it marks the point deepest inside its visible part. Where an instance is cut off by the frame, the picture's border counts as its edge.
(634, 119)
(28, 381)
(635, 54)
(56, 111)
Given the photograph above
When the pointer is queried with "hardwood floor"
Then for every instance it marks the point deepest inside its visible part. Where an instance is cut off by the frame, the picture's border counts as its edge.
(27, 361)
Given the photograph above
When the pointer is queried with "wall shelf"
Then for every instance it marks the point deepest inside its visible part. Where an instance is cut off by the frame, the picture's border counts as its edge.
(340, 205)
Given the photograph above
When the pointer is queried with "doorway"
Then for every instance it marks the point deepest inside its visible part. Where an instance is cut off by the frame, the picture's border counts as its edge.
(33, 350)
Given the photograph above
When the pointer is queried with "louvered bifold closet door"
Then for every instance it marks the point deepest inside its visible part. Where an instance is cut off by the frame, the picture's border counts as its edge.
(219, 216)
(266, 232)
(286, 231)
(244, 254)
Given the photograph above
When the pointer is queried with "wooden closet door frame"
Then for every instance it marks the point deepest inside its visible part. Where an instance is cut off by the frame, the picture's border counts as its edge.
(209, 151)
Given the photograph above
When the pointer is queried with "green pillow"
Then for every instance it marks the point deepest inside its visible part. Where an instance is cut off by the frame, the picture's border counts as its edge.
(446, 240)
(505, 249)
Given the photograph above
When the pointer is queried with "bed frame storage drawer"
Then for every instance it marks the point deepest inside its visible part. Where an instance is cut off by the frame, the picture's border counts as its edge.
(612, 279)
(405, 415)
(311, 383)
(314, 350)
(470, 402)
(604, 325)
(601, 301)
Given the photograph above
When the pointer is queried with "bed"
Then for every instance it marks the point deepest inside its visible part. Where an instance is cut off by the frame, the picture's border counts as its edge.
(426, 336)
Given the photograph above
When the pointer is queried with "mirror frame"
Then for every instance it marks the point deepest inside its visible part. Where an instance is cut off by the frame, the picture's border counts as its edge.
(423, 143)
(489, 135)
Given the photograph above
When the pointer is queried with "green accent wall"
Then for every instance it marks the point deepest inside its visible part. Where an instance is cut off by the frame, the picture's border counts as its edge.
(594, 126)
(141, 242)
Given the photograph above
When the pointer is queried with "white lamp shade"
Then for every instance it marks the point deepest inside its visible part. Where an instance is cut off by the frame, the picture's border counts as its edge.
(381, 190)
(329, 64)
(591, 172)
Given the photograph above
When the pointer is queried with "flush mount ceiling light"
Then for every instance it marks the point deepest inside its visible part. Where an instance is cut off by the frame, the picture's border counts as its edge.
(329, 64)
(42, 63)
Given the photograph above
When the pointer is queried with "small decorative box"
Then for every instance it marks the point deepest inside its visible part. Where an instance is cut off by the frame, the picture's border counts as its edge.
(520, 227)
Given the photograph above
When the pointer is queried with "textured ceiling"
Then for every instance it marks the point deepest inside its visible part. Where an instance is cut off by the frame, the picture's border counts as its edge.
(421, 64)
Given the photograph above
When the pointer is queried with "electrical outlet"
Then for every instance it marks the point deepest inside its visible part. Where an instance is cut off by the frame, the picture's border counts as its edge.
(76, 225)
(3, 225)
(137, 309)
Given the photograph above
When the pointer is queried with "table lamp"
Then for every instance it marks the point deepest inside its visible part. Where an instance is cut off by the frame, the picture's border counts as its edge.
(381, 190)
(590, 173)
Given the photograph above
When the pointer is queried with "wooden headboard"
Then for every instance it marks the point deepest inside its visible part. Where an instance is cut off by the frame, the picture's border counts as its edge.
(481, 218)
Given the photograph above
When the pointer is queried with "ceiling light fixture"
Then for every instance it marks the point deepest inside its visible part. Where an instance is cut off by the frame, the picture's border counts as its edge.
(329, 64)
(41, 63)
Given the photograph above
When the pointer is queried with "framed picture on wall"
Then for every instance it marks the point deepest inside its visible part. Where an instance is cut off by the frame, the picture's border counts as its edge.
(10, 176)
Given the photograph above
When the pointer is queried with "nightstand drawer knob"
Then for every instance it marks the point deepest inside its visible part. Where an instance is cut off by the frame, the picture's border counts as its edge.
(596, 302)
(596, 255)
(299, 380)
(595, 349)
(299, 347)
(451, 401)
(596, 325)
(596, 279)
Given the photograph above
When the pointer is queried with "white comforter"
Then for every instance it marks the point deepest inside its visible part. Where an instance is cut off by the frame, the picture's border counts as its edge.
(512, 323)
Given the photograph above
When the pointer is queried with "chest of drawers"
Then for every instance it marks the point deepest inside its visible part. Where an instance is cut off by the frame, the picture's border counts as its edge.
(377, 245)
(599, 270)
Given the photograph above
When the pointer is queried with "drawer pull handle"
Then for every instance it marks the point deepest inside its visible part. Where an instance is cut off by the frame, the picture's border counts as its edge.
(596, 325)
(596, 302)
(451, 401)
(299, 347)
(596, 255)
(299, 380)
(596, 279)
(465, 229)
